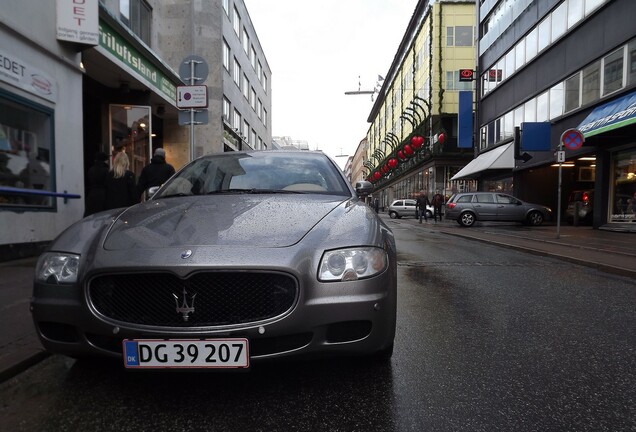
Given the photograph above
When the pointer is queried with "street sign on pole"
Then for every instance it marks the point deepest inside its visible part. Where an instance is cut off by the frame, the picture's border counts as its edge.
(195, 96)
(194, 70)
(572, 139)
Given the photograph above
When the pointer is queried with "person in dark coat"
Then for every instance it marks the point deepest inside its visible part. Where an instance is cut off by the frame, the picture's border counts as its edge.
(120, 184)
(156, 173)
(96, 185)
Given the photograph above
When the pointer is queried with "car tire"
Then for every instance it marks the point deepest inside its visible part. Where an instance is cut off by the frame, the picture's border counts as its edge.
(535, 218)
(393, 215)
(467, 219)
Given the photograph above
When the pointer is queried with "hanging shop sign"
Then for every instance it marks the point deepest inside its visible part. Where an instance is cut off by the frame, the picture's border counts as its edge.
(78, 21)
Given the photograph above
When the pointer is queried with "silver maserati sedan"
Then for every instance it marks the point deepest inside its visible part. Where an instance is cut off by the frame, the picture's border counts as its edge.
(239, 257)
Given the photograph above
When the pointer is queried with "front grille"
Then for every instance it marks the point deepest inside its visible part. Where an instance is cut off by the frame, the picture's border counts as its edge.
(203, 299)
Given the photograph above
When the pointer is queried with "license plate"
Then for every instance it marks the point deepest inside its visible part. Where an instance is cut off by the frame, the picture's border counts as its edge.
(186, 353)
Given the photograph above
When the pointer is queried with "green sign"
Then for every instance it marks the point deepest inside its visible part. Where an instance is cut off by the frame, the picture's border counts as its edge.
(112, 42)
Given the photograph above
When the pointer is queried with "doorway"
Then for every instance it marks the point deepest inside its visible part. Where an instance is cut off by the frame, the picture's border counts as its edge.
(130, 128)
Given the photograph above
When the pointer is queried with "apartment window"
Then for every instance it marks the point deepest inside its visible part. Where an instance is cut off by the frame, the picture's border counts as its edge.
(265, 117)
(226, 56)
(253, 138)
(509, 67)
(591, 90)
(136, 15)
(253, 58)
(253, 99)
(520, 54)
(531, 45)
(459, 36)
(572, 90)
(26, 147)
(508, 125)
(453, 82)
(543, 106)
(530, 111)
(559, 18)
(556, 101)
(237, 72)
(613, 72)
(631, 63)
(544, 32)
(226, 109)
(246, 41)
(591, 5)
(575, 12)
(245, 86)
(259, 109)
(259, 71)
(246, 130)
(236, 121)
(265, 83)
(236, 22)
(226, 7)
(260, 143)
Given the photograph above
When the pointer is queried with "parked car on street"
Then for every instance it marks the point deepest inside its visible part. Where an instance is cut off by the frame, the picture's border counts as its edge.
(468, 207)
(407, 208)
(584, 201)
(239, 257)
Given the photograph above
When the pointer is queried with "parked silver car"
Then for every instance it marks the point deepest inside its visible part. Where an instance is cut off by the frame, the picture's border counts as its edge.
(239, 257)
(406, 207)
(469, 207)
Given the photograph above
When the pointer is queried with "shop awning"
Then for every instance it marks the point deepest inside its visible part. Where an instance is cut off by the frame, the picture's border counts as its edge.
(502, 157)
(611, 115)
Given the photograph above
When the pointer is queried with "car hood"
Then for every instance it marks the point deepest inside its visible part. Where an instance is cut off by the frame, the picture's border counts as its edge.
(261, 221)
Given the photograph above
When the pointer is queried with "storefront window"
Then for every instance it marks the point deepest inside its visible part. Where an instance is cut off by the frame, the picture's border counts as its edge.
(623, 205)
(25, 152)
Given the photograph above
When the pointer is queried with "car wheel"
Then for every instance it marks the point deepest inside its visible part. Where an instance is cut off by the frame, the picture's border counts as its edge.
(535, 218)
(467, 219)
(393, 215)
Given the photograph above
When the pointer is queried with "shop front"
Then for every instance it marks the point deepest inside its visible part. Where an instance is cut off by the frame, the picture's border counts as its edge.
(130, 100)
(611, 128)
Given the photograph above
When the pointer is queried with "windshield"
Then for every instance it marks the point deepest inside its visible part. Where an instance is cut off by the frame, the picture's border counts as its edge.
(258, 172)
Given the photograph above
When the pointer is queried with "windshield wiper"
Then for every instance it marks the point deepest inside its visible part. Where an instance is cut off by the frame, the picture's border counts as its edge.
(253, 191)
(180, 194)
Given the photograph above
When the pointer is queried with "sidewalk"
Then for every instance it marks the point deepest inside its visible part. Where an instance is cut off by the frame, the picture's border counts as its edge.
(613, 252)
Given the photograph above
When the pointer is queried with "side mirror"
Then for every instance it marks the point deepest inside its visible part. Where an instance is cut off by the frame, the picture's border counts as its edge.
(364, 188)
(151, 191)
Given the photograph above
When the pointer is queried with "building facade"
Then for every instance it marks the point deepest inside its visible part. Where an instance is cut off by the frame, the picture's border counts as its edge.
(412, 142)
(565, 64)
(89, 76)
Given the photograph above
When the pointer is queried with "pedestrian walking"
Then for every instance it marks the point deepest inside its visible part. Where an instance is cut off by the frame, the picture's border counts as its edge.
(120, 184)
(96, 185)
(437, 202)
(421, 203)
(156, 173)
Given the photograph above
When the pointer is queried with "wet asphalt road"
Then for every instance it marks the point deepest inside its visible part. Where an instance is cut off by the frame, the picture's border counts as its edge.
(488, 339)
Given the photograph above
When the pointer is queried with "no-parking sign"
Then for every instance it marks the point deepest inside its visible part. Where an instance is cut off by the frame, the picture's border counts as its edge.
(572, 139)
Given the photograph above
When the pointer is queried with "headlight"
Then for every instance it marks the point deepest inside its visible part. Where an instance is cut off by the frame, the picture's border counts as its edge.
(352, 264)
(55, 267)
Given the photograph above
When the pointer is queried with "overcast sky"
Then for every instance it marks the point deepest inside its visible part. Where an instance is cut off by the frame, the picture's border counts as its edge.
(317, 50)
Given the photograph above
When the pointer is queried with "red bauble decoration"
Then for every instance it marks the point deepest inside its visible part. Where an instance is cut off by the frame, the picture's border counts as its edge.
(417, 141)
(408, 150)
(441, 138)
(385, 168)
(377, 175)
(393, 162)
(401, 155)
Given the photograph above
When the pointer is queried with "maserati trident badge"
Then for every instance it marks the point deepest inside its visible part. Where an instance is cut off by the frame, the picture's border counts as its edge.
(184, 309)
